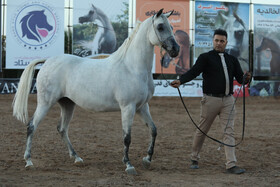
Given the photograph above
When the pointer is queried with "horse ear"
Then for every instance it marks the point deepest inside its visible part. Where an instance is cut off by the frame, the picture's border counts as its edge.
(159, 12)
(169, 13)
(239, 19)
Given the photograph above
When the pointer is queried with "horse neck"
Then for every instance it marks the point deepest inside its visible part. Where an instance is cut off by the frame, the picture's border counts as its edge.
(104, 20)
(140, 52)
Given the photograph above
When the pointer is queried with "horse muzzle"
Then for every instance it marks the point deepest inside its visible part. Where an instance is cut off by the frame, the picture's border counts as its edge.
(171, 46)
(83, 19)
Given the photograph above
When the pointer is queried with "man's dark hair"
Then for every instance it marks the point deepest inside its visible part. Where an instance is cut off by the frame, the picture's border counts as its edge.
(220, 32)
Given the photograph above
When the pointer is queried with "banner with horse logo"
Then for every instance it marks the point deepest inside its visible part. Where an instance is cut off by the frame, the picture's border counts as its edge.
(99, 26)
(266, 40)
(35, 30)
(232, 17)
(180, 23)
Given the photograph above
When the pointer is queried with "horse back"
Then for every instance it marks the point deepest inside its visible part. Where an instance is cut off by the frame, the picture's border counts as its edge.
(62, 73)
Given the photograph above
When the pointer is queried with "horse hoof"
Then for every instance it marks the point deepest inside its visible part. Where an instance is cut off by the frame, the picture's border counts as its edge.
(29, 164)
(78, 161)
(131, 170)
(146, 163)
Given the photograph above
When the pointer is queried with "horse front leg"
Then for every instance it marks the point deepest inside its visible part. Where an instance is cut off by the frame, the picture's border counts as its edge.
(145, 116)
(127, 121)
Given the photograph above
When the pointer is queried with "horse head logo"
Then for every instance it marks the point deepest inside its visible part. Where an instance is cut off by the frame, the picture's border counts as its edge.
(90, 17)
(35, 26)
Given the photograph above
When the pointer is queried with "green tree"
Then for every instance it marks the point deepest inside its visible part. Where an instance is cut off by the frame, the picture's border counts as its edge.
(121, 26)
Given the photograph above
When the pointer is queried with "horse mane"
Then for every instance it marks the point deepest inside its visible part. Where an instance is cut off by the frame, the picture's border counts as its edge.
(271, 40)
(26, 31)
(121, 52)
(239, 20)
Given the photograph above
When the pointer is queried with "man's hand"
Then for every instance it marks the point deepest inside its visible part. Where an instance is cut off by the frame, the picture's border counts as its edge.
(175, 83)
(247, 77)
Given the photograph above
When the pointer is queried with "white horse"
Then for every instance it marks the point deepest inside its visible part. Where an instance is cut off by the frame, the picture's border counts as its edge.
(123, 81)
(105, 38)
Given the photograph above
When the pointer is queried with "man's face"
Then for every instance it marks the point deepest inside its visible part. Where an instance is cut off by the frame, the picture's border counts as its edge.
(219, 43)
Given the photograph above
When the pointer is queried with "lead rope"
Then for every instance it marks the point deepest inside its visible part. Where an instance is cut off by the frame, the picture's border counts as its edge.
(221, 143)
(243, 129)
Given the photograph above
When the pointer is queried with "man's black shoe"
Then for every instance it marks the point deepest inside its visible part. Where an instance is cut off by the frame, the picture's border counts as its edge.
(235, 170)
(194, 164)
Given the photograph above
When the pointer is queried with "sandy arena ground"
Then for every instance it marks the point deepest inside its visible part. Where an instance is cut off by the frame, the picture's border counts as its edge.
(97, 138)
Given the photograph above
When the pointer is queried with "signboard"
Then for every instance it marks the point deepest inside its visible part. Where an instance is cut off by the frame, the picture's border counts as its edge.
(35, 31)
(10, 86)
(99, 26)
(232, 17)
(180, 22)
(266, 40)
(189, 89)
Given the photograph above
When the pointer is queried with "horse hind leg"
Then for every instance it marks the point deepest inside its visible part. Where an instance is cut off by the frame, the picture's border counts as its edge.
(32, 125)
(67, 109)
(145, 116)
(27, 153)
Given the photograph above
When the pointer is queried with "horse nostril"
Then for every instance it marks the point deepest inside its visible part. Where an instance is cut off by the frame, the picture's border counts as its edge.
(81, 20)
(176, 50)
(173, 48)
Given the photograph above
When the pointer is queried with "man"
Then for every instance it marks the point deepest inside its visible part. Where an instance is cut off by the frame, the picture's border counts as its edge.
(218, 70)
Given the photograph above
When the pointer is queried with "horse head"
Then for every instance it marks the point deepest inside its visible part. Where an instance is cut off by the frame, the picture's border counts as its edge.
(162, 33)
(35, 26)
(267, 43)
(236, 29)
(90, 17)
(183, 40)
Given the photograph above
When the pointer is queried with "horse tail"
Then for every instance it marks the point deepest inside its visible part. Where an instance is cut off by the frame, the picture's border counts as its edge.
(20, 101)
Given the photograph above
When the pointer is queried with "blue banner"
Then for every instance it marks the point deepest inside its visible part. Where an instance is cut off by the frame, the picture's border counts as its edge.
(232, 17)
(266, 40)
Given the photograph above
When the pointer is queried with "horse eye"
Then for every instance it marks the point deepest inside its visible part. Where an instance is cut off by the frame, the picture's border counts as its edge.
(160, 27)
(91, 12)
(238, 34)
